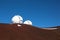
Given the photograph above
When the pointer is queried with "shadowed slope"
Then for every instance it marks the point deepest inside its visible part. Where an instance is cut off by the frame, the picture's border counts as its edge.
(26, 32)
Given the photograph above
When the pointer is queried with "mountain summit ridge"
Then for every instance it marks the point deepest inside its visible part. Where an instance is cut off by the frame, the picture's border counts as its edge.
(26, 32)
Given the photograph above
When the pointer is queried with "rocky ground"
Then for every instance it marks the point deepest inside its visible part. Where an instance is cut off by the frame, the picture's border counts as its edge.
(27, 32)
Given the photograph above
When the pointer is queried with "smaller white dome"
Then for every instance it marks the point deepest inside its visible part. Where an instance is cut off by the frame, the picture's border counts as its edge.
(28, 22)
(17, 19)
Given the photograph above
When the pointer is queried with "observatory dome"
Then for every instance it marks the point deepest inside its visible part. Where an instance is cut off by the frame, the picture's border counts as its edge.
(28, 22)
(17, 19)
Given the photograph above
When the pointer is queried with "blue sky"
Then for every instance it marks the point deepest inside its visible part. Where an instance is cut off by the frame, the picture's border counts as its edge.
(43, 13)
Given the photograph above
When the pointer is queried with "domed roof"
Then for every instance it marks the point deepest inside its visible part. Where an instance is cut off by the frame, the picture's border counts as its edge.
(28, 22)
(17, 19)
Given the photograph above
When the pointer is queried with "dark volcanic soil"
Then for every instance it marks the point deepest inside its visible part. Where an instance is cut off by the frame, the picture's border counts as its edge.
(26, 32)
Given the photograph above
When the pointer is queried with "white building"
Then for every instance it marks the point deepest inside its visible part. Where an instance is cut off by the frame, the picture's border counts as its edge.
(17, 19)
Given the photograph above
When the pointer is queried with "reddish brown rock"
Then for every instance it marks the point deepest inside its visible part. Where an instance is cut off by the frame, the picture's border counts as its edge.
(26, 32)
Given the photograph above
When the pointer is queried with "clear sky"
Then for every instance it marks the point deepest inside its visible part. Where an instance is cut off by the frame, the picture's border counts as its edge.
(43, 13)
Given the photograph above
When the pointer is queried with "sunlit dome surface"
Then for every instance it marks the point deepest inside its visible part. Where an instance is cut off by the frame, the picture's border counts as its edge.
(28, 22)
(17, 19)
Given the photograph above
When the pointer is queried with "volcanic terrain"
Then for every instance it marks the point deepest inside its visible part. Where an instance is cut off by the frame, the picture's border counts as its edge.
(27, 32)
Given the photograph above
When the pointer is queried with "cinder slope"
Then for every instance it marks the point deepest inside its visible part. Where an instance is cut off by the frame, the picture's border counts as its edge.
(26, 32)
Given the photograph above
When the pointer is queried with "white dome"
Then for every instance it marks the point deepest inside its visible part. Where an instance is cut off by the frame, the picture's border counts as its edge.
(28, 22)
(17, 19)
